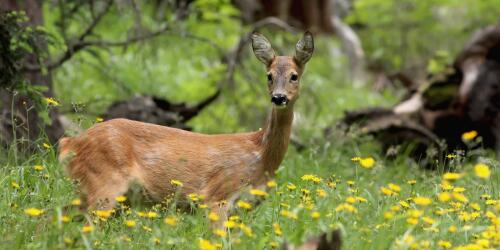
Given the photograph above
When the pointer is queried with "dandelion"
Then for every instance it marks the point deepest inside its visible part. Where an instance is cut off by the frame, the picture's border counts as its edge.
(103, 214)
(452, 176)
(176, 183)
(482, 171)
(346, 207)
(15, 185)
(459, 189)
(246, 230)
(468, 136)
(213, 216)
(475, 206)
(291, 186)
(277, 229)
(258, 192)
(404, 204)
(360, 199)
(51, 101)
(151, 214)
(394, 187)
(387, 191)
(38, 167)
(46, 145)
(203, 206)
(129, 223)
(121, 199)
(34, 212)
(244, 205)
(170, 220)
(388, 215)
(311, 177)
(65, 219)
(230, 224)
(321, 193)
(368, 162)
(422, 201)
(411, 182)
(220, 233)
(288, 214)
(459, 197)
(444, 244)
(99, 119)
(444, 196)
(206, 245)
(76, 202)
(452, 229)
(315, 215)
(428, 220)
(147, 229)
(274, 244)
(87, 229)
(351, 200)
(271, 184)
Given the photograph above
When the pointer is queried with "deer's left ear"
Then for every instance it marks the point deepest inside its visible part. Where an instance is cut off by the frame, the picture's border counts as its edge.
(262, 48)
(304, 49)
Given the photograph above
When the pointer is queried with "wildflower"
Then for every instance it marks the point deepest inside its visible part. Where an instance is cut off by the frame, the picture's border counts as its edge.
(351, 183)
(121, 198)
(459, 189)
(206, 245)
(459, 197)
(468, 136)
(51, 101)
(103, 214)
(46, 145)
(332, 184)
(388, 215)
(213, 216)
(258, 192)
(151, 214)
(475, 206)
(129, 223)
(277, 229)
(126, 238)
(428, 220)
(176, 183)
(482, 171)
(274, 244)
(244, 205)
(412, 182)
(415, 213)
(246, 230)
(15, 185)
(311, 177)
(99, 119)
(368, 162)
(444, 196)
(321, 193)
(33, 212)
(394, 187)
(360, 199)
(412, 221)
(220, 233)
(65, 219)
(315, 215)
(445, 185)
(147, 229)
(356, 159)
(346, 207)
(452, 176)
(422, 201)
(193, 197)
(156, 241)
(387, 191)
(444, 244)
(351, 200)
(203, 206)
(288, 214)
(404, 204)
(76, 202)
(234, 218)
(229, 224)
(38, 167)
(87, 229)
(170, 220)
(271, 184)
(452, 229)
(291, 186)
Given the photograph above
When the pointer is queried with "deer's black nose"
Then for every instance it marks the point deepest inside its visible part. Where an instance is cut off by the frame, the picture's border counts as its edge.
(279, 99)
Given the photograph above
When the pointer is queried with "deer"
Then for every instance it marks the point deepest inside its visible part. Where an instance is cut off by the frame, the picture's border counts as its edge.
(109, 157)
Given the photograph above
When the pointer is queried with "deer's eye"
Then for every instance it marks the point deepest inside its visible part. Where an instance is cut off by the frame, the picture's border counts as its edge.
(269, 78)
(294, 77)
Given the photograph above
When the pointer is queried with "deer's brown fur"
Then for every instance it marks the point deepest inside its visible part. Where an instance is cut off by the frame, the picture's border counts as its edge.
(107, 158)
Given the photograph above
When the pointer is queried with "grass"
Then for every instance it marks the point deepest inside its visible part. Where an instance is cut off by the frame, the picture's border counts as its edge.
(316, 190)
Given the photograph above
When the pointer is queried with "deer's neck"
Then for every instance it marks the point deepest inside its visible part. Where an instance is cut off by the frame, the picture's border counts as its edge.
(275, 138)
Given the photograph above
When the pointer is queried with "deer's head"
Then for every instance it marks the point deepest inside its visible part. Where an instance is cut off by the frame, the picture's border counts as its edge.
(283, 72)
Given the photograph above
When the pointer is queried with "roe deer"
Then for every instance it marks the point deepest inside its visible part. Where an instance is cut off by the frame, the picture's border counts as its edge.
(107, 158)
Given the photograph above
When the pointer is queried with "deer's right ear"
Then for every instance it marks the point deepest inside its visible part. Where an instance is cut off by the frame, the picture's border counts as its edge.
(262, 48)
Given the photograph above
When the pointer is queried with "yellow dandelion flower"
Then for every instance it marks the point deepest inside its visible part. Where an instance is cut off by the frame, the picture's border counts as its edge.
(321, 193)
(99, 119)
(452, 176)
(459, 189)
(459, 197)
(357, 158)
(147, 229)
(311, 177)
(388, 215)
(258, 192)
(151, 214)
(46, 145)
(346, 207)
(360, 199)
(404, 204)
(76, 202)
(468, 136)
(452, 229)
(277, 229)
(193, 197)
(170, 220)
(446, 186)
(315, 215)
(412, 221)
(230, 224)
(412, 182)
(203, 206)
(33, 212)
(274, 244)
(220, 233)
(387, 191)
(288, 214)
(129, 223)
(244, 205)
(38, 167)
(444, 196)
(176, 183)
(332, 184)
(51, 101)
(15, 185)
(367, 162)
(213, 216)
(103, 214)
(415, 213)
(121, 198)
(87, 229)
(246, 230)
(271, 184)
(482, 171)
(444, 244)
(394, 187)
(142, 214)
(65, 219)
(351, 200)
(291, 186)
(422, 201)
(428, 220)
(206, 245)
(475, 206)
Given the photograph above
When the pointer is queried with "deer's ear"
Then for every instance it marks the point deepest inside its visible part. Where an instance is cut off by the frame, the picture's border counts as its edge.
(262, 48)
(304, 49)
